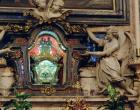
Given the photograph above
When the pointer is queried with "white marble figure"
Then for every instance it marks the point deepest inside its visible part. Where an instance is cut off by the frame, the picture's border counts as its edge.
(6, 74)
(44, 12)
(112, 68)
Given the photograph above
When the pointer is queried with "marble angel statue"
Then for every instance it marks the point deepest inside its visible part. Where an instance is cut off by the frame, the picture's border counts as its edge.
(44, 11)
(112, 68)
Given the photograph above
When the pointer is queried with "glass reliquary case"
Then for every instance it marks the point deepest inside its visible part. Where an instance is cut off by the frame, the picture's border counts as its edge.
(45, 65)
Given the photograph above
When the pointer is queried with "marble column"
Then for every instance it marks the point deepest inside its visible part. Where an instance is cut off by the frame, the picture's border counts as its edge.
(136, 19)
(137, 26)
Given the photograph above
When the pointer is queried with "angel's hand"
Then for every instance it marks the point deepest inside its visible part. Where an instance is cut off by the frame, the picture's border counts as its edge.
(1, 27)
(88, 29)
(4, 28)
(9, 50)
(64, 11)
(85, 54)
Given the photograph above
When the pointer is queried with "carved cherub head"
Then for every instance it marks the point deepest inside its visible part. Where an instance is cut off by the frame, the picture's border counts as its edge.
(40, 3)
(57, 5)
(47, 9)
(111, 32)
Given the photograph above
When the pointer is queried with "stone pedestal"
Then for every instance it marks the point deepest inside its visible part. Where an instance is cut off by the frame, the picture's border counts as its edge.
(136, 64)
(6, 77)
(88, 81)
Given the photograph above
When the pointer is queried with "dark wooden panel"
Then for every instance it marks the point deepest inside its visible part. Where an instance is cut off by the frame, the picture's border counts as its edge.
(89, 4)
(118, 14)
(95, 12)
(68, 3)
(23, 3)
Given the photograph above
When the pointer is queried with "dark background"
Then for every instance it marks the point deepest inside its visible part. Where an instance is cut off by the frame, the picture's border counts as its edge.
(15, 3)
(76, 4)
(89, 4)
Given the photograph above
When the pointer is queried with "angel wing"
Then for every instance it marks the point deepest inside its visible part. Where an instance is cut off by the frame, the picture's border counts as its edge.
(49, 5)
(126, 45)
(2, 32)
(125, 52)
(33, 3)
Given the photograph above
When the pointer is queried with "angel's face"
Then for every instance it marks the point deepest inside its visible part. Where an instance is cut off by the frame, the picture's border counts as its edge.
(57, 5)
(41, 3)
(109, 36)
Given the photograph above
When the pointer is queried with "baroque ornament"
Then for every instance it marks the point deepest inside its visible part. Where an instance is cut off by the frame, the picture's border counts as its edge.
(76, 104)
(48, 90)
(44, 12)
(70, 28)
(17, 28)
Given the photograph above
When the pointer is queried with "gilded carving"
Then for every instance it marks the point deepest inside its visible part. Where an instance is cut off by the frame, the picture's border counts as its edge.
(76, 104)
(73, 28)
(17, 28)
(77, 85)
(48, 90)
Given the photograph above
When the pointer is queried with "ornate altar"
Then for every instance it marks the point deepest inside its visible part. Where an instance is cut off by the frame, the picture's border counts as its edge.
(46, 40)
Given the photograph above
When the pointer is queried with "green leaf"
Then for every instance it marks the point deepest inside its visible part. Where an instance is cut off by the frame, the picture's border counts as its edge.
(115, 102)
(19, 103)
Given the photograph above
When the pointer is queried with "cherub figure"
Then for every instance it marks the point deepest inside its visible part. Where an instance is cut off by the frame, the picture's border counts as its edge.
(44, 12)
(111, 68)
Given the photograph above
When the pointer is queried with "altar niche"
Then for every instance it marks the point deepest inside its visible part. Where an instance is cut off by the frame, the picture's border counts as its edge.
(47, 58)
(46, 65)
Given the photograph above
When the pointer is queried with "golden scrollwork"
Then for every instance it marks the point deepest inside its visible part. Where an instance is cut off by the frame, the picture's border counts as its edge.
(77, 103)
(16, 28)
(77, 85)
(48, 90)
(73, 28)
